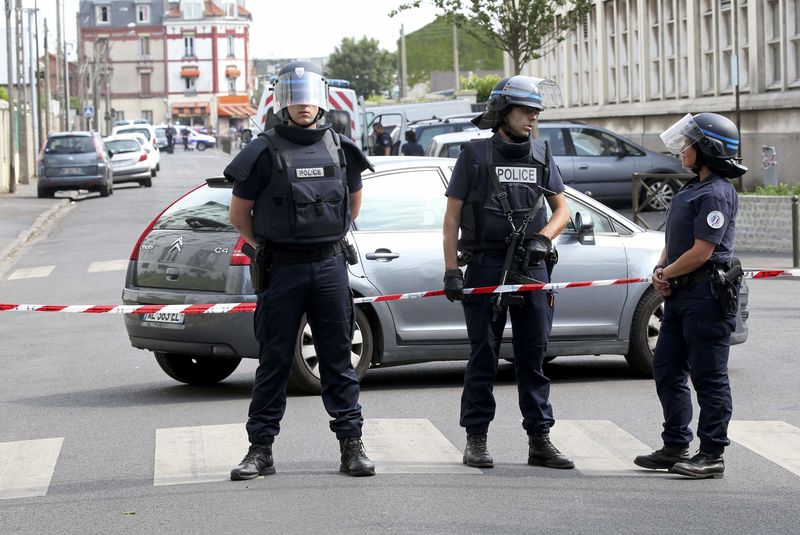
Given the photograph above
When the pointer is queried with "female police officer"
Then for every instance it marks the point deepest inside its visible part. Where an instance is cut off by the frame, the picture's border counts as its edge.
(297, 188)
(495, 200)
(700, 300)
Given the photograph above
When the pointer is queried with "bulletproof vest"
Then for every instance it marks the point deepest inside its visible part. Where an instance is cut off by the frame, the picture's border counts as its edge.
(306, 199)
(484, 223)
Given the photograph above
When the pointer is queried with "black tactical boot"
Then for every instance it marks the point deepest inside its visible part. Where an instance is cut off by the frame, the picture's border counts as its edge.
(476, 453)
(663, 459)
(542, 453)
(257, 462)
(701, 466)
(354, 459)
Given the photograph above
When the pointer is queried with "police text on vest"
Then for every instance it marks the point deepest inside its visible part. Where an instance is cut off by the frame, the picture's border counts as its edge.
(310, 172)
(526, 175)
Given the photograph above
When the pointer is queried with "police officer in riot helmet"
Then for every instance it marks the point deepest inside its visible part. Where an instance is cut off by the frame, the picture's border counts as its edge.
(297, 188)
(495, 201)
(699, 278)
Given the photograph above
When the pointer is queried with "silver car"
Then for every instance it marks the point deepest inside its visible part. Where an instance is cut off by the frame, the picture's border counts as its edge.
(191, 254)
(129, 160)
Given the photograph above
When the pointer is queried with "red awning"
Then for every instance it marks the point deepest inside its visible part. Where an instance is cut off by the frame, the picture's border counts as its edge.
(187, 109)
(232, 71)
(237, 111)
(190, 72)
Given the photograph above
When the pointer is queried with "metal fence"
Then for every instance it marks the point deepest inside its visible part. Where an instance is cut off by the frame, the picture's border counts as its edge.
(654, 192)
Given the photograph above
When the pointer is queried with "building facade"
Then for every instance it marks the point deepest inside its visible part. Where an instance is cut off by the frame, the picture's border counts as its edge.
(636, 66)
(184, 62)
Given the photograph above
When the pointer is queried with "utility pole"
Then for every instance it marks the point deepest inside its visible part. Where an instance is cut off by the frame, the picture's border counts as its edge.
(12, 177)
(95, 87)
(81, 60)
(107, 73)
(59, 76)
(37, 72)
(403, 65)
(46, 104)
(34, 86)
(19, 38)
(455, 57)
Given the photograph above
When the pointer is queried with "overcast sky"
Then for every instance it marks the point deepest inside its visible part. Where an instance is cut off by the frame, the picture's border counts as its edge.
(280, 33)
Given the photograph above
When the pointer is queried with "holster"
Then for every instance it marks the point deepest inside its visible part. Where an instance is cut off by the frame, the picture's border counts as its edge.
(725, 281)
(260, 266)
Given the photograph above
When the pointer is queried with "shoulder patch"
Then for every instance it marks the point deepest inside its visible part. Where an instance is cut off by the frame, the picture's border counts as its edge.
(715, 219)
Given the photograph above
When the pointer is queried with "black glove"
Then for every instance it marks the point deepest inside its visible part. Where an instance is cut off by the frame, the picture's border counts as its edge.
(453, 285)
(539, 247)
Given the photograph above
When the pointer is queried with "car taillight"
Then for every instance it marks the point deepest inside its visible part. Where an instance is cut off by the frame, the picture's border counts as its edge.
(135, 252)
(238, 258)
(98, 149)
(143, 157)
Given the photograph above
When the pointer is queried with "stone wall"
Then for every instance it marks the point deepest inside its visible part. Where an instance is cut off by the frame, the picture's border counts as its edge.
(764, 224)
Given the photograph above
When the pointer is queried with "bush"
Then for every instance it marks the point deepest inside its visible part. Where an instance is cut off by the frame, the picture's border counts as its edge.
(483, 85)
(780, 189)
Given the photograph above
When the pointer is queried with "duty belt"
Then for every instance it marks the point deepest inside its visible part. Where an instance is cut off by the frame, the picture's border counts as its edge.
(278, 256)
(691, 279)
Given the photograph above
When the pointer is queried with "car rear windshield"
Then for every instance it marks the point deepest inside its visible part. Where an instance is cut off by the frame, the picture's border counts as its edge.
(123, 145)
(69, 145)
(205, 209)
(144, 131)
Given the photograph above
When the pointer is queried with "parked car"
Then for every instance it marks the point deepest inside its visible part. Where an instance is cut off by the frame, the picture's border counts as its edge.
(593, 160)
(197, 139)
(161, 136)
(129, 160)
(190, 253)
(149, 133)
(153, 155)
(426, 130)
(73, 161)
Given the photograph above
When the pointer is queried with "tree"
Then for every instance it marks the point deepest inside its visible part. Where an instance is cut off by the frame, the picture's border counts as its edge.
(369, 69)
(525, 29)
(3, 94)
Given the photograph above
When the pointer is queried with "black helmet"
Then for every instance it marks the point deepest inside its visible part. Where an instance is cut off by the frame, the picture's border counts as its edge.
(715, 137)
(299, 82)
(517, 91)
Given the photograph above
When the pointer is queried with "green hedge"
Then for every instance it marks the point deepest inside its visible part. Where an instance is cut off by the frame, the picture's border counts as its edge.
(780, 189)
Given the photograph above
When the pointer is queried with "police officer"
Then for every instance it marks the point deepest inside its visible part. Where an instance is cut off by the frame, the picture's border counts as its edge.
(383, 141)
(297, 189)
(699, 278)
(495, 199)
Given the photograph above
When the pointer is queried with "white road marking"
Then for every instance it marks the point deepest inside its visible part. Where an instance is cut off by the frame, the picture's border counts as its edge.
(110, 265)
(31, 272)
(598, 446)
(411, 446)
(198, 454)
(26, 467)
(776, 441)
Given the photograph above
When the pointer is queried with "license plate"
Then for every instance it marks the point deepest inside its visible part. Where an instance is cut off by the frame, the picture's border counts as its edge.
(120, 163)
(174, 318)
(72, 171)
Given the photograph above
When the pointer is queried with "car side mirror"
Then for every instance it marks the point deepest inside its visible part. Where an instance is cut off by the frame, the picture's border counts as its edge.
(584, 224)
(110, 153)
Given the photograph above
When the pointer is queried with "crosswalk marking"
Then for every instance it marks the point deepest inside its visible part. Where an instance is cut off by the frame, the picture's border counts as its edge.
(110, 265)
(26, 467)
(778, 442)
(31, 272)
(598, 446)
(411, 446)
(198, 454)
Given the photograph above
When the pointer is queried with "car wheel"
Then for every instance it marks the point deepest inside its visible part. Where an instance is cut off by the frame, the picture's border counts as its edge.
(305, 370)
(644, 332)
(44, 193)
(158, 166)
(662, 198)
(111, 188)
(105, 189)
(201, 145)
(152, 173)
(147, 182)
(194, 370)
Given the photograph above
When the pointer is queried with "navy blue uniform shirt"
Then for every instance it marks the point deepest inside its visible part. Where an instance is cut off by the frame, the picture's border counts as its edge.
(262, 171)
(459, 181)
(381, 142)
(705, 210)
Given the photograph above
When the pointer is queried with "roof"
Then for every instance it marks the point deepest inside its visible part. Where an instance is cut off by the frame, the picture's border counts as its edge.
(123, 12)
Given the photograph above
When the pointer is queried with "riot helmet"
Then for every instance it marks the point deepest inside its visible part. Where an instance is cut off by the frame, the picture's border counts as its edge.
(519, 90)
(715, 138)
(299, 82)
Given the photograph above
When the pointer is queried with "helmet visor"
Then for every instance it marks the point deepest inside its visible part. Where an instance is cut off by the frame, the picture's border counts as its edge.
(300, 87)
(533, 92)
(681, 134)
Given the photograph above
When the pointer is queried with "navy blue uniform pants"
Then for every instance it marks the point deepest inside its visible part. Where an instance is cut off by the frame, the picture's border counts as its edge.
(694, 343)
(530, 324)
(321, 291)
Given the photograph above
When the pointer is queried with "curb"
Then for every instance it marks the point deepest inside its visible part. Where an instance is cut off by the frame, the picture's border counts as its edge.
(7, 254)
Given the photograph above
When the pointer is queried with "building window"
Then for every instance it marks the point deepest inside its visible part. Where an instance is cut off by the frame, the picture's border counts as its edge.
(188, 46)
(231, 86)
(144, 84)
(147, 115)
(231, 49)
(144, 46)
(119, 115)
(189, 84)
(192, 9)
(142, 13)
(772, 34)
(230, 8)
(102, 14)
(794, 42)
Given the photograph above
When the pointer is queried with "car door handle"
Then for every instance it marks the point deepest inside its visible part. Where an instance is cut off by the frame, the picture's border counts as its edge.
(583, 166)
(382, 254)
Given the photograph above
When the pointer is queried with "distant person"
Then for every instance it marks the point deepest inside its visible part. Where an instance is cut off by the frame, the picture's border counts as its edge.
(412, 147)
(170, 133)
(185, 137)
(383, 141)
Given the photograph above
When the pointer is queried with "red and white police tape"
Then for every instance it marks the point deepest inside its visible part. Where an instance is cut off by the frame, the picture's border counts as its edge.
(225, 308)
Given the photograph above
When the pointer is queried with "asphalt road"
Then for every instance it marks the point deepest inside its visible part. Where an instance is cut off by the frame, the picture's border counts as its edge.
(98, 432)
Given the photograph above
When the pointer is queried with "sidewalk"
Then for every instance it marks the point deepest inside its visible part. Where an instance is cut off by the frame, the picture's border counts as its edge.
(22, 215)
